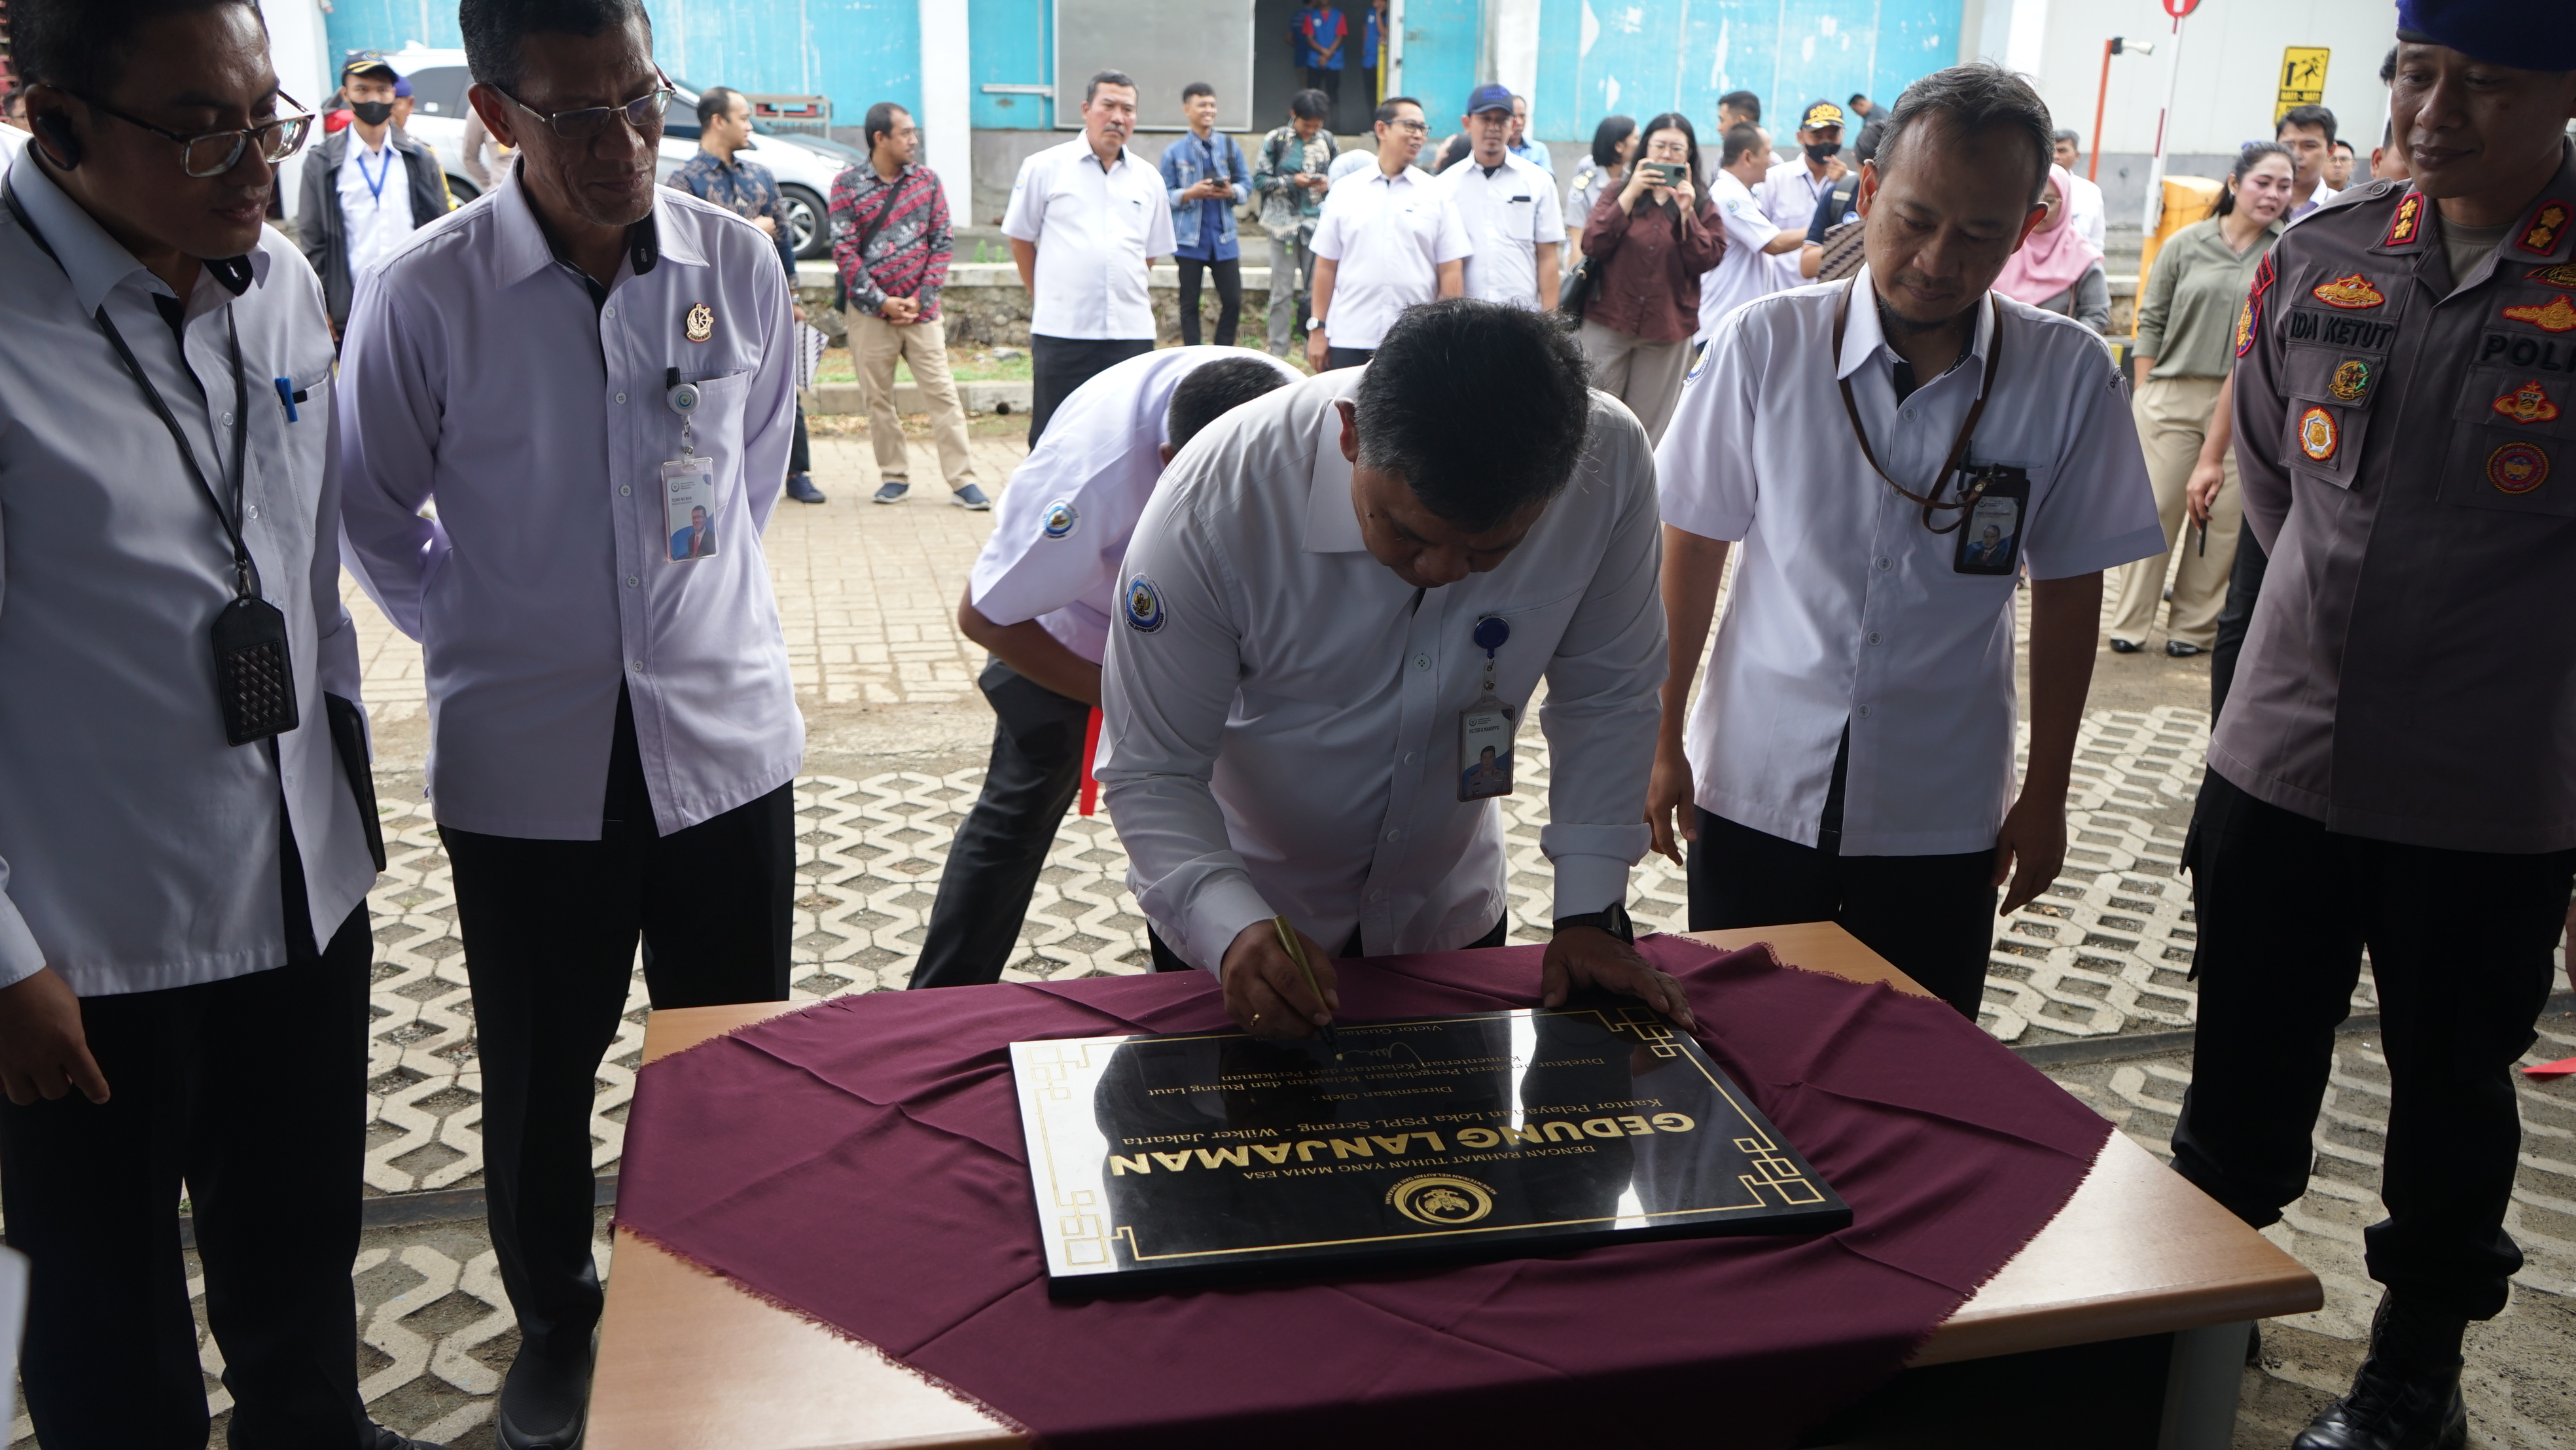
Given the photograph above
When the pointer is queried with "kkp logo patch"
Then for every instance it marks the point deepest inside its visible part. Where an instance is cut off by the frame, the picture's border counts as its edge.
(2318, 436)
(2547, 225)
(1060, 518)
(1442, 1200)
(1144, 605)
(2517, 468)
(2351, 380)
(2409, 219)
(2556, 315)
(2352, 291)
(1698, 366)
(2527, 404)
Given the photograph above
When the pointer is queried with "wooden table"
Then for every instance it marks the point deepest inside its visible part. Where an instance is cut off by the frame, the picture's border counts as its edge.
(687, 1362)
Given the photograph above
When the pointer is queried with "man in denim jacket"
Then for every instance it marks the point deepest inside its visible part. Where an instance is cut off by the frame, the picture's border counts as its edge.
(1206, 176)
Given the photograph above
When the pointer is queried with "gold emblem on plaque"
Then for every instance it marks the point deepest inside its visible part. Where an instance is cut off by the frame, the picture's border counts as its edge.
(701, 323)
(1442, 1200)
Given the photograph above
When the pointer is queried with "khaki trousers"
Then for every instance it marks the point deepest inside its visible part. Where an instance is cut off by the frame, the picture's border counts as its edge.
(1647, 376)
(2173, 420)
(874, 345)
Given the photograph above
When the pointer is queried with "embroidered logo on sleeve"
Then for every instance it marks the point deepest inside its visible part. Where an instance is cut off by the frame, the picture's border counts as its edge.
(2517, 468)
(2547, 225)
(2351, 380)
(2557, 315)
(2352, 291)
(1144, 605)
(2402, 227)
(1060, 518)
(2527, 404)
(2318, 436)
(2245, 327)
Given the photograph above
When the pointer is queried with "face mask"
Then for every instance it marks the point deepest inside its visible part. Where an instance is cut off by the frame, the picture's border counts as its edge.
(1823, 151)
(373, 113)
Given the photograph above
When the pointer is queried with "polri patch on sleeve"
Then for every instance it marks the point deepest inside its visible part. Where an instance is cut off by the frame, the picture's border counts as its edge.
(2245, 326)
(1060, 518)
(2262, 275)
(1144, 605)
(2318, 436)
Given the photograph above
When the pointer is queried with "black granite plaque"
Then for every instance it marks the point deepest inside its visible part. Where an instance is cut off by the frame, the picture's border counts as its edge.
(1170, 1162)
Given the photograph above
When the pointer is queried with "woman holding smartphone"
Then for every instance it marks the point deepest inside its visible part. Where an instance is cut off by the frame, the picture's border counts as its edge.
(1648, 242)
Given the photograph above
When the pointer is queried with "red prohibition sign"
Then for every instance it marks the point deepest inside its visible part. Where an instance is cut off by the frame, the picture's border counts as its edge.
(2180, 8)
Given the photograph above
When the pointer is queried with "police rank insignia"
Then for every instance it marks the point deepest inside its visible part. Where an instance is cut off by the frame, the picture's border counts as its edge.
(2517, 468)
(701, 323)
(2562, 275)
(1060, 518)
(2557, 315)
(2318, 436)
(2402, 227)
(2351, 380)
(1144, 605)
(2547, 225)
(2351, 291)
(2527, 404)
(2245, 327)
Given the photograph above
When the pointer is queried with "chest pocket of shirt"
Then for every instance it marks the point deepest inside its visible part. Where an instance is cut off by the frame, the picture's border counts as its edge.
(717, 428)
(2330, 390)
(2513, 442)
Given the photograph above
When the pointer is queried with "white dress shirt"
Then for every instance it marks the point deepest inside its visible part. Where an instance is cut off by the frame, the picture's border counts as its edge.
(1054, 551)
(2084, 211)
(1845, 608)
(1508, 216)
(375, 202)
(2316, 198)
(1096, 232)
(478, 373)
(139, 850)
(1281, 711)
(1386, 237)
(1789, 195)
(1744, 273)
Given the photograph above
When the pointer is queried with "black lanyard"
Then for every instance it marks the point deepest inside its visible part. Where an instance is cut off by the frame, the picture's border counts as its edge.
(1976, 487)
(245, 572)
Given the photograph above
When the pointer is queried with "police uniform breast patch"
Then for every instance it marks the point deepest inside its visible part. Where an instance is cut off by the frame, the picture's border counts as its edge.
(2556, 315)
(2318, 435)
(2527, 404)
(1144, 605)
(1060, 518)
(2562, 276)
(2547, 225)
(2517, 468)
(2352, 291)
(2351, 380)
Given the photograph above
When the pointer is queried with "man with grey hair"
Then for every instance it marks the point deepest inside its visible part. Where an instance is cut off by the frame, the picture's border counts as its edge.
(2084, 210)
(1852, 755)
(1086, 221)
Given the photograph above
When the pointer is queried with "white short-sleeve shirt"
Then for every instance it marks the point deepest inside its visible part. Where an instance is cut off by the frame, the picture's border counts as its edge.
(375, 203)
(1386, 236)
(1095, 231)
(1054, 551)
(1509, 214)
(1846, 610)
(1744, 273)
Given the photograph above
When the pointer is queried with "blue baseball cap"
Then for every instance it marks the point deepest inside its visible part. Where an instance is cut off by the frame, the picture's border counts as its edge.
(1489, 97)
(2499, 32)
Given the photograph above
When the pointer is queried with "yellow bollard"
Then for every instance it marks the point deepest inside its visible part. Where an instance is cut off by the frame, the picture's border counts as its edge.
(2187, 199)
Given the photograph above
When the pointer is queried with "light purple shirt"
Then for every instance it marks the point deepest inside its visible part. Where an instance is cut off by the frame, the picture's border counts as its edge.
(477, 375)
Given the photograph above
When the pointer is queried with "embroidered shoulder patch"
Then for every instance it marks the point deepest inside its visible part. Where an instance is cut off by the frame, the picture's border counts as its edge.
(1060, 518)
(2547, 225)
(2556, 315)
(2245, 326)
(1144, 605)
(2517, 468)
(2527, 404)
(2351, 380)
(2352, 292)
(2408, 220)
(2262, 275)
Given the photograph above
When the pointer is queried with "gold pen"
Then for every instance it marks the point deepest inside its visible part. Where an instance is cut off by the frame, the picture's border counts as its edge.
(1297, 953)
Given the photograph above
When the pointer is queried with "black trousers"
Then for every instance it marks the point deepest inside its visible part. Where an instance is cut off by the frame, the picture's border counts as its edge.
(550, 932)
(1346, 357)
(2460, 948)
(1229, 298)
(2244, 586)
(993, 865)
(1168, 960)
(252, 1092)
(800, 454)
(1058, 365)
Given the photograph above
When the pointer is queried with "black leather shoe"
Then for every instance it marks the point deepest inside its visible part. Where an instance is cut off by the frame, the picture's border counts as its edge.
(390, 1440)
(2121, 646)
(545, 1402)
(2407, 1395)
(2182, 651)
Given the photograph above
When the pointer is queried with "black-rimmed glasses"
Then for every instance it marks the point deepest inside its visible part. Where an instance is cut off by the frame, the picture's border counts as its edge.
(212, 153)
(589, 121)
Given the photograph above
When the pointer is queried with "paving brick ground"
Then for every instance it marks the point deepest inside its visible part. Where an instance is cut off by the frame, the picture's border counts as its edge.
(867, 596)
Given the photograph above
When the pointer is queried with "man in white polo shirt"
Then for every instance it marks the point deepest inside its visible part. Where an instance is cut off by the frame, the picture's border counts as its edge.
(1791, 191)
(1509, 208)
(1041, 599)
(1086, 221)
(1338, 598)
(1851, 757)
(1388, 239)
(1745, 270)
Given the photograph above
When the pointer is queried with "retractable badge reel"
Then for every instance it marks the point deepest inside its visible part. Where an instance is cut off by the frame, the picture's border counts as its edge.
(688, 481)
(1486, 727)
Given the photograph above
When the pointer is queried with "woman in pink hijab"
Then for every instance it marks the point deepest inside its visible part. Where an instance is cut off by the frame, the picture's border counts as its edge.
(2057, 269)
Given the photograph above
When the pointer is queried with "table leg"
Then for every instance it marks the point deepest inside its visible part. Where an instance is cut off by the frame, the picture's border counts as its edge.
(2201, 1383)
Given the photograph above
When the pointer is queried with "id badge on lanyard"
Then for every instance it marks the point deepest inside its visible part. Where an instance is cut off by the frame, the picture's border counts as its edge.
(688, 486)
(1486, 726)
(1990, 540)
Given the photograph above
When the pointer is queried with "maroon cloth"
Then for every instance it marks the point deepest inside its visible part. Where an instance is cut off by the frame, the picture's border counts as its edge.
(862, 1163)
(1647, 263)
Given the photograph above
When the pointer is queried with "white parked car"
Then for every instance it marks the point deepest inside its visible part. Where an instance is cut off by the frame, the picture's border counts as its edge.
(805, 166)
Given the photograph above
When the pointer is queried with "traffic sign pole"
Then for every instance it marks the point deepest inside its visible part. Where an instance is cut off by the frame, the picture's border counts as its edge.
(2155, 205)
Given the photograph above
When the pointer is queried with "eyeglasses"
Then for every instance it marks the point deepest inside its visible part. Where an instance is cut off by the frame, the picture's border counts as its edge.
(212, 153)
(1417, 128)
(645, 110)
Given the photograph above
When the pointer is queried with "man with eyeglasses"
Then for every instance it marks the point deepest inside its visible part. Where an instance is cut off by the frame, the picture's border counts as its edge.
(1389, 238)
(350, 218)
(571, 369)
(184, 944)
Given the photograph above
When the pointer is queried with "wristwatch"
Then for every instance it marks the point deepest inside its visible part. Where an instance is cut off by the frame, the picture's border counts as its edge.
(1314, 324)
(1613, 919)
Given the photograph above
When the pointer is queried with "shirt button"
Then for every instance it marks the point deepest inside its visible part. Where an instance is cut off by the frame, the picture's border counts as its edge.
(1378, 895)
(1394, 835)
(625, 489)
(630, 583)
(1905, 413)
(1422, 662)
(1864, 712)
(1873, 636)
(228, 420)
(638, 667)
(621, 397)
(1411, 756)
(612, 312)
(1886, 564)
(254, 510)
